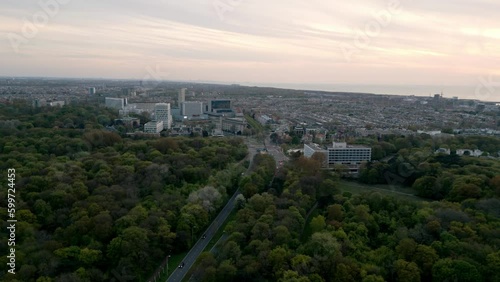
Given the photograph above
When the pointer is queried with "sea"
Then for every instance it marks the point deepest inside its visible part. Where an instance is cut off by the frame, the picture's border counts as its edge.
(483, 91)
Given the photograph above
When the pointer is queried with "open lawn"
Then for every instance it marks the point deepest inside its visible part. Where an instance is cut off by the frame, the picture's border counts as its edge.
(400, 192)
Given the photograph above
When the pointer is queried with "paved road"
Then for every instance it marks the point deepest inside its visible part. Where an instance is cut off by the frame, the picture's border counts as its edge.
(275, 151)
(201, 244)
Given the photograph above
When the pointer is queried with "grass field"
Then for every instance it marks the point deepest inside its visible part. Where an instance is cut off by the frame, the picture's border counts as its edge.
(399, 192)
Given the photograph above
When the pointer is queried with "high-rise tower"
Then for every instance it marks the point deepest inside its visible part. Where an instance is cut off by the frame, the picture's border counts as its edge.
(162, 113)
(182, 97)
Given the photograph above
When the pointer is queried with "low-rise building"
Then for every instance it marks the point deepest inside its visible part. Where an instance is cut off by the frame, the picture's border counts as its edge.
(234, 125)
(443, 151)
(469, 152)
(155, 126)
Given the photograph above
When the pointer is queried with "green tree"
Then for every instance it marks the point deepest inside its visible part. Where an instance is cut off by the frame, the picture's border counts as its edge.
(318, 224)
(448, 269)
(406, 271)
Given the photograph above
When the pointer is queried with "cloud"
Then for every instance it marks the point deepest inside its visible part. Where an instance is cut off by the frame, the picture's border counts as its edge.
(268, 41)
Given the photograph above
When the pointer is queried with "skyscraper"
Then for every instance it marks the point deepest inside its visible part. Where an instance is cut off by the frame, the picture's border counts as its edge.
(182, 97)
(163, 113)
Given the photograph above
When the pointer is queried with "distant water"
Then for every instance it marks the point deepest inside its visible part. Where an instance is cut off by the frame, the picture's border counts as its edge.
(479, 92)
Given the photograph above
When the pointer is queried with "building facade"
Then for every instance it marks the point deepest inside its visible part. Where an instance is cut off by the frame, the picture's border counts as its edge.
(182, 97)
(163, 113)
(219, 107)
(192, 109)
(234, 125)
(155, 126)
(350, 156)
(116, 103)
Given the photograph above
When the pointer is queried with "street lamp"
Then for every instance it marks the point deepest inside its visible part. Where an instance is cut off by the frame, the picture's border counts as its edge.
(167, 264)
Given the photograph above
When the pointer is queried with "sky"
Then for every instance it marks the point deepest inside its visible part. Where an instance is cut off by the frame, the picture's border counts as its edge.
(381, 42)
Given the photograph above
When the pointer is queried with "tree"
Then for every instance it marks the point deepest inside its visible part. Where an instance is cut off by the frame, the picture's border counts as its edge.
(325, 192)
(301, 264)
(293, 276)
(317, 224)
(278, 260)
(495, 184)
(226, 271)
(335, 212)
(208, 197)
(493, 265)
(426, 187)
(406, 271)
(454, 270)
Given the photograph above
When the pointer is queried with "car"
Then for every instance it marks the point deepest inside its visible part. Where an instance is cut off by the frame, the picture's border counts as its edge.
(181, 265)
(204, 236)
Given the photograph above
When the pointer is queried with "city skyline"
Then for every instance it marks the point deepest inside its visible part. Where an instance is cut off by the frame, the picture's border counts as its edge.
(382, 42)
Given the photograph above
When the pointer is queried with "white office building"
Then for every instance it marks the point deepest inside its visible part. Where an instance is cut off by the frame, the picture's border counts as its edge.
(351, 156)
(163, 113)
(155, 126)
(116, 103)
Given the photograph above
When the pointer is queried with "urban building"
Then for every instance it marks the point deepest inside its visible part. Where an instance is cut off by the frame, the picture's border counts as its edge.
(469, 152)
(128, 92)
(445, 151)
(182, 97)
(264, 119)
(191, 109)
(350, 156)
(219, 107)
(155, 126)
(57, 103)
(163, 113)
(91, 90)
(299, 130)
(128, 122)
(116, 103)
(234, 125)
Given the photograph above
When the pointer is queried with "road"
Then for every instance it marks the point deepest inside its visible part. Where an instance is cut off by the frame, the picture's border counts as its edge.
(201, 244)
(216, 224)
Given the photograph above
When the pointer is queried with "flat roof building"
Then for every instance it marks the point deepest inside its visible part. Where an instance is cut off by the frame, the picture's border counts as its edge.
(163, 113)
(219, 107)
(351, 156)
(191, 109)
(116, 103)
(155, 126)
(234, 125)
